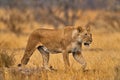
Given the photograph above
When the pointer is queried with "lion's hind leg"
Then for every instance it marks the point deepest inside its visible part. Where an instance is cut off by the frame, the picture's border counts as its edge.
(28, 53)
(45, 55)
(30, 48)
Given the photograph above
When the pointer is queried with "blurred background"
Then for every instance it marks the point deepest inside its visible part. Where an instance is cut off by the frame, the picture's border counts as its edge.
(18, 18)
(17, 15)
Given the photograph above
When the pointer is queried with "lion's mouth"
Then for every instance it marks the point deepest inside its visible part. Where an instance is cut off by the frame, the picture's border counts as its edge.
(86, 44)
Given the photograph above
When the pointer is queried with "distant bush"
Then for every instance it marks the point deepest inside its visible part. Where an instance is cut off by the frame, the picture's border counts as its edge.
(14, 23)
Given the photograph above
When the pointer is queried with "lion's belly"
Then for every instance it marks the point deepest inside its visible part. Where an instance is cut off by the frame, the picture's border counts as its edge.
(54, 46)
(57, 48)
(55, 41)
(71, 48)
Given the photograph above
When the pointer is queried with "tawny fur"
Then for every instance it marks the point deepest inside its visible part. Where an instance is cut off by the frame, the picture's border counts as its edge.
(55, 39)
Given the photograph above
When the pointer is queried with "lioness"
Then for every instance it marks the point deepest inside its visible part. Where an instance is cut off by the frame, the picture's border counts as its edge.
(66, 40)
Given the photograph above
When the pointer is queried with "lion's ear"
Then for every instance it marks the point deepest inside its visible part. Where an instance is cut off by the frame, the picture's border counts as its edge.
(80, 29)
(87, 26)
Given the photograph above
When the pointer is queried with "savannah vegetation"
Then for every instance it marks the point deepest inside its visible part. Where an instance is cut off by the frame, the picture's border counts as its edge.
(19, 18)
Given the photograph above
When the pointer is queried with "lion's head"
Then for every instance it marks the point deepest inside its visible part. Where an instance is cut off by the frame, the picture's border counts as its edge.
(83, 35)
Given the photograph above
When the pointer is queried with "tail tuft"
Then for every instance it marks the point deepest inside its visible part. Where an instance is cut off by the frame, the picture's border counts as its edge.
(19, 65)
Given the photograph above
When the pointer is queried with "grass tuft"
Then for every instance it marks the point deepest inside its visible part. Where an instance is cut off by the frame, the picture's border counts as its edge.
(6, 59)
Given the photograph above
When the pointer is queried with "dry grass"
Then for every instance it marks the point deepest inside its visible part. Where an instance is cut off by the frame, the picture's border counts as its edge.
(6, 59)
(102, 57)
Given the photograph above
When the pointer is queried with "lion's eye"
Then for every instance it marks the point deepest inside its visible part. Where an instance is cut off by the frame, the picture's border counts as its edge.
(85, 33)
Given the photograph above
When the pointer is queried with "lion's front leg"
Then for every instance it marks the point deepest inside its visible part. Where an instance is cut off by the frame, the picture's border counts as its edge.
(66, 59)
(79, 58)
